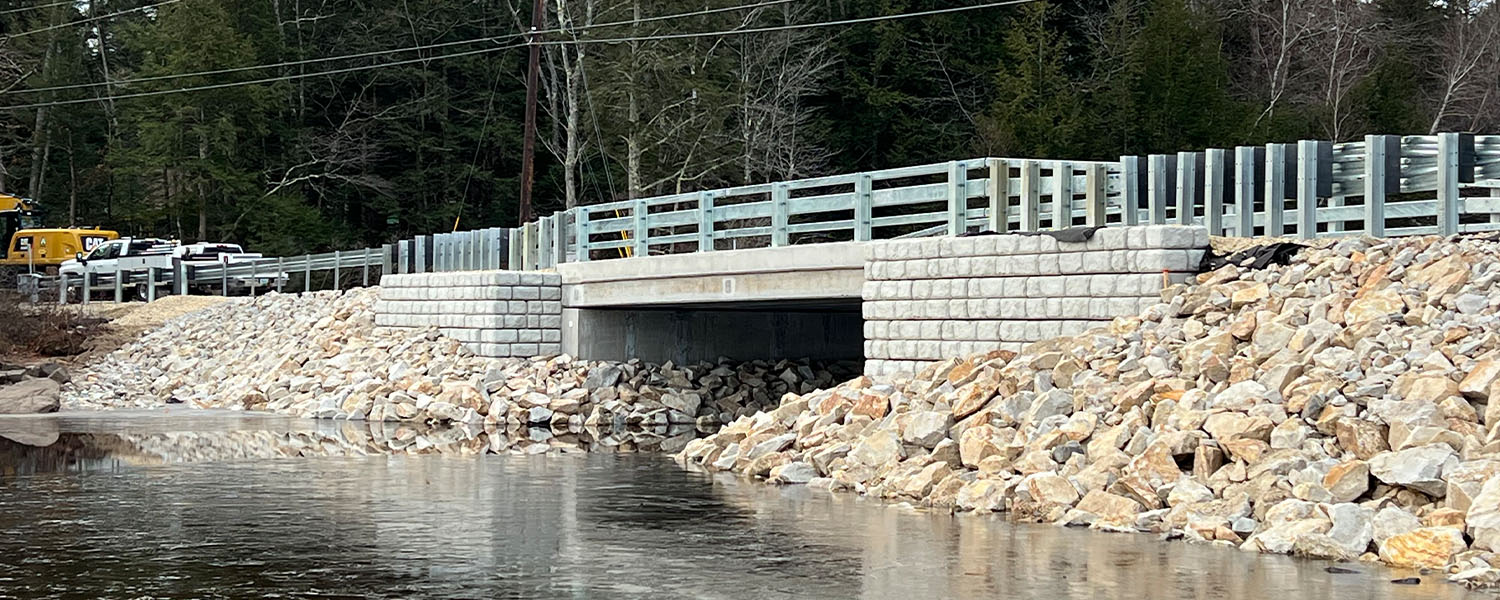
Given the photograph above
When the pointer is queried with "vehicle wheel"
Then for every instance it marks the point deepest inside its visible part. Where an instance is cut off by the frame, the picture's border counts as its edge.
(141, 293)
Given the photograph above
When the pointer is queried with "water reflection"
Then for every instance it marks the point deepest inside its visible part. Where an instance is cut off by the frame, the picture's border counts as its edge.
(593, 525)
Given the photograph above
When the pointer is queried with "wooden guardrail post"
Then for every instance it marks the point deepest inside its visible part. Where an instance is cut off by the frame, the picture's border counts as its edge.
(1062, 194)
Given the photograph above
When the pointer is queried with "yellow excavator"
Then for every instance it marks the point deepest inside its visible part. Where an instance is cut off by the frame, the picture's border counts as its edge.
(30, 248)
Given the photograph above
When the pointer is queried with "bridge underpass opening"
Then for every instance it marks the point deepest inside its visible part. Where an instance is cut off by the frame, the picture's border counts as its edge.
(823, 330)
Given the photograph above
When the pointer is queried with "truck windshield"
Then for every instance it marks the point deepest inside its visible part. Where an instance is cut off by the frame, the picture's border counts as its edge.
(30, 221)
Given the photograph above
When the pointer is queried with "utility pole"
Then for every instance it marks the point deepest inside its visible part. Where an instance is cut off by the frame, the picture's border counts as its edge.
(528, 146)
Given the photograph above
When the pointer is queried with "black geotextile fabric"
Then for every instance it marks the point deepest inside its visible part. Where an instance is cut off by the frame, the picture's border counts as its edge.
(1072, 235)
(1279, 253)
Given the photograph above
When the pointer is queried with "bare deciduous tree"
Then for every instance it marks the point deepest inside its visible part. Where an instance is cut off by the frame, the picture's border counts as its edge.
(1468, 70)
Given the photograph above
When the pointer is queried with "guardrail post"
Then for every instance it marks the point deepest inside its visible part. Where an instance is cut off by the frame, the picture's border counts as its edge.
(640, 217)
(364, 273)
(705, 221)
(1279, 158)
(560, 231)
(1189, 188)
(1218, 172)
(1096, 211)
(546, 245)
(119, 284)
(1314, 180)
(864, 206)
(1062, 195)
(1162, 169)
(336, 256)
(999, 193)
(88, 287)
(62, 288)
(780, 213)
(1382, 177)
(1455, 166)
(306, 272)
(1031, 195)
(179, 283)
(1131, 188)
(151, 284)
(1249, 171)
(581, 231)
(958, 198)
(280, 273)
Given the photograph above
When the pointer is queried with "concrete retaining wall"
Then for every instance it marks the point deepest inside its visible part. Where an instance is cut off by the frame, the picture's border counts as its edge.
(932, 299)
(497, 314)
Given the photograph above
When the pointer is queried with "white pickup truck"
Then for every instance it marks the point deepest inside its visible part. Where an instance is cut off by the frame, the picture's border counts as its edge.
(138, 254)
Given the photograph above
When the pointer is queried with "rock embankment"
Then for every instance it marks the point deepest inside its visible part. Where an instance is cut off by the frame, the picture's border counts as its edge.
(321, 355)
(1344, 406)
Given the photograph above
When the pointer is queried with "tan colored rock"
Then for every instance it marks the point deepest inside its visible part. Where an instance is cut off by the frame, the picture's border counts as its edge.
(1429, 547)
(1476, 384)
(1374, 305)
(1348, 480)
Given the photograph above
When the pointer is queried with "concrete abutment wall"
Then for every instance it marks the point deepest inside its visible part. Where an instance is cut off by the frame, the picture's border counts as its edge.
(930, 299)
(499, 314)
(899, 304)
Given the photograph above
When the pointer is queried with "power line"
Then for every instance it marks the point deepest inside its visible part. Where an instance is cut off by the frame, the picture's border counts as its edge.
(512, 46)
(90, 19)
(231, 84)
(393, 50)
(39, 7)
(698, 34)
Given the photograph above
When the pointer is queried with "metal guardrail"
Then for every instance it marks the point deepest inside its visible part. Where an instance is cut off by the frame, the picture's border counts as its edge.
(1375, 186)
(1383, 185)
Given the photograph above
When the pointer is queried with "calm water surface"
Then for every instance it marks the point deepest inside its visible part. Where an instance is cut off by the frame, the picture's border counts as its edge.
(147, 506)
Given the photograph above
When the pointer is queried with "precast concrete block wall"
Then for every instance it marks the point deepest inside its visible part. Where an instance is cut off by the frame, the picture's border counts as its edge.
(498, 314)
(931, 299)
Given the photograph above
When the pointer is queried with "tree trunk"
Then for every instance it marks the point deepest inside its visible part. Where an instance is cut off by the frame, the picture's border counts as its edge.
(633, 112)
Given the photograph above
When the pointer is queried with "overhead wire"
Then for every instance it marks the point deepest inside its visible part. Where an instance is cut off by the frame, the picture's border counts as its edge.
(87, 20)
(37, 7)
(418, 48)
(289, 77)
(843, 22)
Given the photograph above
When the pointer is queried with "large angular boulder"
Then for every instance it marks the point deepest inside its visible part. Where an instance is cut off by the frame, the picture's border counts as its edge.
(29, 397)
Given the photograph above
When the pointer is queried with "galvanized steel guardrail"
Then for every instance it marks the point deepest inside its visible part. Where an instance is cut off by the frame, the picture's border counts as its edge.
(1383, 185)
(1376, 186)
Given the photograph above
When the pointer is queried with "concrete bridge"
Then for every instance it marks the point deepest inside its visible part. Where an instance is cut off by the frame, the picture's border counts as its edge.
(895, 304)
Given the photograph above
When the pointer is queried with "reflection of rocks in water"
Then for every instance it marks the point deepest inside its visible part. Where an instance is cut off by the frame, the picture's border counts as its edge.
(32, 450)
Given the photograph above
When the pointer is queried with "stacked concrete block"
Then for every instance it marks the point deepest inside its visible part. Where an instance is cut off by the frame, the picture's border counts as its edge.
(931, 299)
(498, 314)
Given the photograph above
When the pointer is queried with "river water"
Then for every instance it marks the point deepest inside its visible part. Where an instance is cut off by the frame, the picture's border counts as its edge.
(229, 506)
